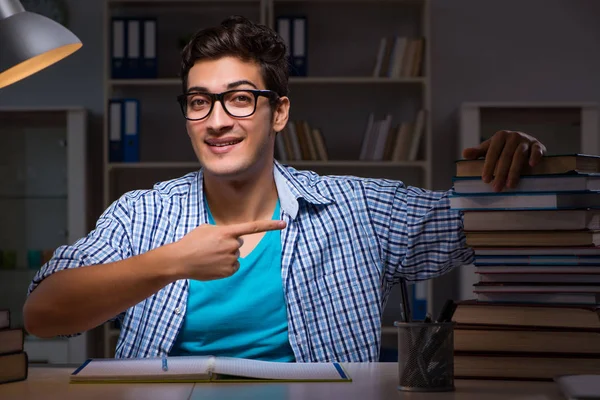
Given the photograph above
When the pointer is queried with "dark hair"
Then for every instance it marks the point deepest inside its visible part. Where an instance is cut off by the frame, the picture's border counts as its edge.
(239, 37)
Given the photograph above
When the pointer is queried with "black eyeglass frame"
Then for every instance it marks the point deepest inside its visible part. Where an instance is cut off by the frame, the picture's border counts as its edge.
(214, 97)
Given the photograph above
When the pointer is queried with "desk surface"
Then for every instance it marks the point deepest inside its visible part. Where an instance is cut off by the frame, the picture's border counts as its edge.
(376, 381)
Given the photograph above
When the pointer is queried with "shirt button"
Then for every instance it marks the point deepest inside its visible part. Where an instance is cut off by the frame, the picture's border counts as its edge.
(178, 311)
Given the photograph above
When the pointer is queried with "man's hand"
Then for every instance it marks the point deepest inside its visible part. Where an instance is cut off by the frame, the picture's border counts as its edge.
(211, 252)
(506, 154)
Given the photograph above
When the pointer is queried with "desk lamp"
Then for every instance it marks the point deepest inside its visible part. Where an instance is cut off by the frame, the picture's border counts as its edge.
(30, 42)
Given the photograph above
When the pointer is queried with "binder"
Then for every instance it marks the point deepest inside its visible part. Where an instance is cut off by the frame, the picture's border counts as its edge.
(134, 48)
(284, 29)
(117, 48)
(299, 46)
(419, 301)
(115, 129)
(148, 68)
(131, 130)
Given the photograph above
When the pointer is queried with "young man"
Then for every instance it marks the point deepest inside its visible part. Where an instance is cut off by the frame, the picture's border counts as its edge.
(246, 257)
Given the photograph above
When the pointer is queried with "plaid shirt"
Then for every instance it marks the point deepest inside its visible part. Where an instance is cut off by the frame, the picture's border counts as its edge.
(348, 240)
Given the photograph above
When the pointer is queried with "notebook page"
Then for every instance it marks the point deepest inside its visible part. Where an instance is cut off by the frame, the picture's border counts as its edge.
(144, 368)
(276, 370)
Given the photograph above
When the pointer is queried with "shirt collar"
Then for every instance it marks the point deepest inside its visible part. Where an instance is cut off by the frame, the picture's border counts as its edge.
(289, 188)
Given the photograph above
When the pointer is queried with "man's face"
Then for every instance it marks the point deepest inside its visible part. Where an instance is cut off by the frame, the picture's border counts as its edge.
(233, 147)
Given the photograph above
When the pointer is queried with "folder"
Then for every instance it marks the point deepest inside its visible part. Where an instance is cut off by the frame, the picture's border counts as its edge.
(299, 46)
(131, 135)
(284, 29)
(148, 68)
(419, 300)
(134, 48)
(115, 129)
(117, 48)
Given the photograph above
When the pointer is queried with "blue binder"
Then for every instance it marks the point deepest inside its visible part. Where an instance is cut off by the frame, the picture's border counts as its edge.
(284, 30)
(419, 300)
(115, 130)
(148, 68)
(131, 130)
(299, 38)
(133, 48)
(118, 48)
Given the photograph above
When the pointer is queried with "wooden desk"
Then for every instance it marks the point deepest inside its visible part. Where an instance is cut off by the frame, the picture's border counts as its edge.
(374, 381)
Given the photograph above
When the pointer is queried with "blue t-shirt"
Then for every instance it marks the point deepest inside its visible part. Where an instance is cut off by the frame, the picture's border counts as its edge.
(243, 315)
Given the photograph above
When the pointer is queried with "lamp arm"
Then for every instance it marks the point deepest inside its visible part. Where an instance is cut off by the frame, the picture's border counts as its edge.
(10, 7)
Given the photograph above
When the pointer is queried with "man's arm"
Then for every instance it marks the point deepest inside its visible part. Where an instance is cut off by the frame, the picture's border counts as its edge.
(75, 300)
(420, 236)
(97, 278)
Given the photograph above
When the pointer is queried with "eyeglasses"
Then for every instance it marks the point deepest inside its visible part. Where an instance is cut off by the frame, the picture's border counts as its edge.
(237, 103)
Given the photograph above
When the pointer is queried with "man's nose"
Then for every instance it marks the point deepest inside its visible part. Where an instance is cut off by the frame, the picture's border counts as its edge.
(218, 118)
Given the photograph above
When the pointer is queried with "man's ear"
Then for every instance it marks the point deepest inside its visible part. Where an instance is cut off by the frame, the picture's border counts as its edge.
(281, 114)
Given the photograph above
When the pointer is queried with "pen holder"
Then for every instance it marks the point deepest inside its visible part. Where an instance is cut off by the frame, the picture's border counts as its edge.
(425, 356)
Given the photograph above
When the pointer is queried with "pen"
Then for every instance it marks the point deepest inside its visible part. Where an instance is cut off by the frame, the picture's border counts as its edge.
(405, 303)
(447, 311)
(165, 367)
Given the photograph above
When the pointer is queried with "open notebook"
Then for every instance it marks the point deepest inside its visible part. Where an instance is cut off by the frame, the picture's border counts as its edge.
(205, 369)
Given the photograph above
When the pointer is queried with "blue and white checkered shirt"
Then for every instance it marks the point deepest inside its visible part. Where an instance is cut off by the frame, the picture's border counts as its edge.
(348, 240)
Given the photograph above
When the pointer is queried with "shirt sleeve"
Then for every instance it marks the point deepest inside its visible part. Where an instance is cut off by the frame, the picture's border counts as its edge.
(420, 236)
(108, 242)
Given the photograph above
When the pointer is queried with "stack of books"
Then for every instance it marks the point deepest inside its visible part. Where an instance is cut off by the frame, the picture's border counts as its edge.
(13, 359)
(537, 258)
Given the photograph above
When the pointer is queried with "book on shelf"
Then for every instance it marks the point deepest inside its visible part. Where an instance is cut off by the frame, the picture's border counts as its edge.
(11, 340)
(524, 238)
(525, 201)
(477, 338)
(533, 183)
(206, 369)
(399, 57)
(4, 318)
(576, 317)
(13, 358)
(534, 253)
(298, 141)
(549, 164)
(385, 140)
(539, 275)
(581, 298)
(543, 367)
(551, 220)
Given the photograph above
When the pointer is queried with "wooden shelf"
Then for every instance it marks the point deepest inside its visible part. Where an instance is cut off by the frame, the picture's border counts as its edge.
(151, 165)
(353, 80)
(309, 80)
(304, 164)
(145, 82)
(367, 2)
(359, 164)
(171, 2)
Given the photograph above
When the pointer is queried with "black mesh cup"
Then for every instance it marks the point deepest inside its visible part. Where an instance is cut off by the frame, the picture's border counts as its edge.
(425, 356)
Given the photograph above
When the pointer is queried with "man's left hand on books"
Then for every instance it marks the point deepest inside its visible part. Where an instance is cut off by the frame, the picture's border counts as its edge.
(507, 154)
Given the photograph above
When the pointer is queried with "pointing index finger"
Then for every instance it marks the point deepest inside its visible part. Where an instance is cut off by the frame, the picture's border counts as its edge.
(247, 228)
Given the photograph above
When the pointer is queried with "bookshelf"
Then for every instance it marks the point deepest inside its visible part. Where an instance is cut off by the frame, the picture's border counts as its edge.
(43, 205)
(340, 71)
(563, 127)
